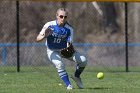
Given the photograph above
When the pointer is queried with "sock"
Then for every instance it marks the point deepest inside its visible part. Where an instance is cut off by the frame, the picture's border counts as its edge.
(78, 71)
(64, 76)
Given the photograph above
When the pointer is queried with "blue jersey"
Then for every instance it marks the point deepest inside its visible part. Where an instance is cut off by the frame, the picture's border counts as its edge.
(59, 36)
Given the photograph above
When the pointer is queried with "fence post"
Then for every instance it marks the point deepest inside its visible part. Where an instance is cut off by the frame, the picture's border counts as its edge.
(126, 38)
(17, 33)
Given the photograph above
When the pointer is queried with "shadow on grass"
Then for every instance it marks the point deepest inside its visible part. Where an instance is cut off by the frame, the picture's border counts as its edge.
(100, 88)
(97, 88)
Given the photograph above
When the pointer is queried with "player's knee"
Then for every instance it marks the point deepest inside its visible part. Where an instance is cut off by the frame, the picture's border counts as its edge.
(60, 66)
(83, 61)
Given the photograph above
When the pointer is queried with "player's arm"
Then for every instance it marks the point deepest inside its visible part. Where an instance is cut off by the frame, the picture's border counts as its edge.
(70, 38)
(40, 37)
(69, 50)
(43, 33)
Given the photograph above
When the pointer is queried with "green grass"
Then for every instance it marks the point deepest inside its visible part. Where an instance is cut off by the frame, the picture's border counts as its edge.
(47, 81)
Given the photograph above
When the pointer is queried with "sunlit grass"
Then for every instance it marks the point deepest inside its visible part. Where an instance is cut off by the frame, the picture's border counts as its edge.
(46, 80)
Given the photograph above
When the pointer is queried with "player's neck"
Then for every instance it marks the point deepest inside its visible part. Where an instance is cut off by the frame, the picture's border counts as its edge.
(61, 24)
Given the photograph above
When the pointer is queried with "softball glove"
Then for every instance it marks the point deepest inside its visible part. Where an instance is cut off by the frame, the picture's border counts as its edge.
(68, 52)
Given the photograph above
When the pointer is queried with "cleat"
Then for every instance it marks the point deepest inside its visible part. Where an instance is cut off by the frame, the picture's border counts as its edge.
(69, 87)
(78, 82)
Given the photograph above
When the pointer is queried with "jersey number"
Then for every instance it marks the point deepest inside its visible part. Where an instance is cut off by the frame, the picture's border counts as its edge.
(57, 40)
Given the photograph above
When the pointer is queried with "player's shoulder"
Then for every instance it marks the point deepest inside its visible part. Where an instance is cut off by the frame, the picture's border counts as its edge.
(52, 22)
(67, 25)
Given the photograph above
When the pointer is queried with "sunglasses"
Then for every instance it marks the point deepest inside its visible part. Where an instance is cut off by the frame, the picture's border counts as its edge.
(61, 16)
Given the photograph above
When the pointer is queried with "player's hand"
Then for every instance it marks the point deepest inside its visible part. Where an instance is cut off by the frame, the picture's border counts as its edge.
(48, 32)
(41, 36)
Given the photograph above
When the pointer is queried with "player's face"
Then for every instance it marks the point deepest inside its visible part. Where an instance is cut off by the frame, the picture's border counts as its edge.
(61, 17)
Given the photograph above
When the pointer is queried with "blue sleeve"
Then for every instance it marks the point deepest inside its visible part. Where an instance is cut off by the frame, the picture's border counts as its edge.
(69, 39)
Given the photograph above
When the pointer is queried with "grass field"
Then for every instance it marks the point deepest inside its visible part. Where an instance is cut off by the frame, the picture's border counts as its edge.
(48, 82)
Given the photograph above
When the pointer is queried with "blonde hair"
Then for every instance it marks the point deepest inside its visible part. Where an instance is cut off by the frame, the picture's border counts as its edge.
(61, 9)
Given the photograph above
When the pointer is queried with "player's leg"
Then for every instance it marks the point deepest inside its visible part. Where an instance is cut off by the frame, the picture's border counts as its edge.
(56, 59)
(81, 63)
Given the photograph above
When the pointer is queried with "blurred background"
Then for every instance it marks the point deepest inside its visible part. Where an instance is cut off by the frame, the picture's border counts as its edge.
(99, 33)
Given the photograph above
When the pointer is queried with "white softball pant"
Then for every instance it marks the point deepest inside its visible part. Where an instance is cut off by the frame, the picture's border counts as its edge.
(56, 59)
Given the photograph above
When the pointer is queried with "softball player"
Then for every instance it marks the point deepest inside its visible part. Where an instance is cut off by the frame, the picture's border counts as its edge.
(59, 34)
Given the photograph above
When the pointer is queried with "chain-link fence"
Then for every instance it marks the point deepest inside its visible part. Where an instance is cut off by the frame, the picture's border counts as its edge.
(133, 36)
(8, 36)
(99, 33)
